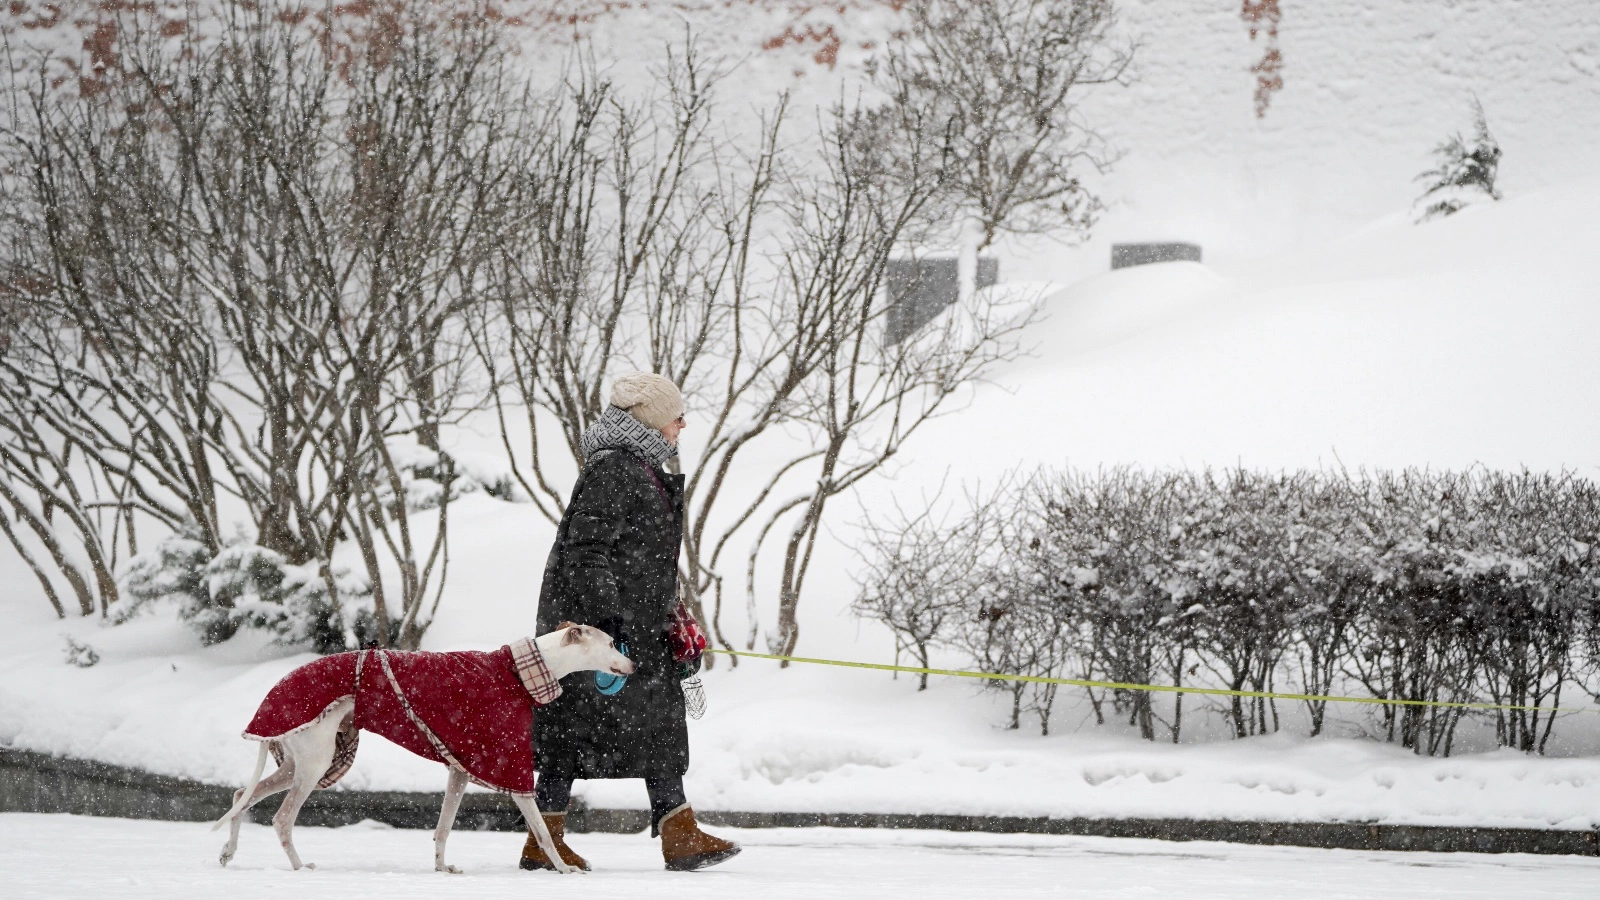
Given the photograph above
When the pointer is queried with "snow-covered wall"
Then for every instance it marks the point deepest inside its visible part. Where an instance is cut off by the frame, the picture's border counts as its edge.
(1369, 87)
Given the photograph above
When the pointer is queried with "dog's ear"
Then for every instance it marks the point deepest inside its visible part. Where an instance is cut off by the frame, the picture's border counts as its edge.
(568, 623)
(574, 635)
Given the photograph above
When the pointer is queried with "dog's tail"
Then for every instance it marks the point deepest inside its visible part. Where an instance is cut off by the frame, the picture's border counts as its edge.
(244, 797)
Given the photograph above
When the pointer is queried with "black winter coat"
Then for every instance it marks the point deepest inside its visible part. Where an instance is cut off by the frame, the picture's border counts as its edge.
(615, 566)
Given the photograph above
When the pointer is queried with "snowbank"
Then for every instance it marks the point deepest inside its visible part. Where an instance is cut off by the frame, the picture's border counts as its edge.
(803, 740)
(1459, 342)
(1369, 88)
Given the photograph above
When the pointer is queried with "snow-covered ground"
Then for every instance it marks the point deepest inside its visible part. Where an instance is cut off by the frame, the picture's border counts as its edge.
(1463, 341)
(68, 856)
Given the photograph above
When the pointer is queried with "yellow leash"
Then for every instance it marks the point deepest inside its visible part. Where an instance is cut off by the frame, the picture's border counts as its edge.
(1163, 688)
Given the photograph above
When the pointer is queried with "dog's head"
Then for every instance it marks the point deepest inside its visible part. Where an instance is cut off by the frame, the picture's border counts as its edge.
(590, 648)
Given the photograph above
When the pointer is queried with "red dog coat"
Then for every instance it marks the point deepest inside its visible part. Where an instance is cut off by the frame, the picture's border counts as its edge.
(469, 710)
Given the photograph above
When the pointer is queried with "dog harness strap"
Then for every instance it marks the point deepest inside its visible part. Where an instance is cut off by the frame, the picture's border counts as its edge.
(439, 746)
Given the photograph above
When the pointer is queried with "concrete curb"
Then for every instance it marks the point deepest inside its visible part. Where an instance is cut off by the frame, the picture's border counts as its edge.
(35, 782)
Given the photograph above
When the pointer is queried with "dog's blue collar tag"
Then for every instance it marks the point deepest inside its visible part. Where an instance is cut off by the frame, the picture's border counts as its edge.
(607, 683)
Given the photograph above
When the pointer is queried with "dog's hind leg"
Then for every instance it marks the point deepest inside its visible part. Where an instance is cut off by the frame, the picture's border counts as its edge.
(250, 786)
(259, 789)
(453, 789)
(311, 752)
(239, 806)
(541, 833)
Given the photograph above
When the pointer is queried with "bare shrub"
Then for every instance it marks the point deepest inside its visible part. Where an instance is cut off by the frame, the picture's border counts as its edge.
(921, 573)
(996, 87)
(1423, 587)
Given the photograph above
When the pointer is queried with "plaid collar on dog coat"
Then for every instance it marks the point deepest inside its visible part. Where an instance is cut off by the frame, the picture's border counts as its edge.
(534, 672)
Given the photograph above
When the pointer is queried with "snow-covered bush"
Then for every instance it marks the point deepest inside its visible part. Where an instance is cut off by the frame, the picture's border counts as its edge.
(1098, 557)
(81, 655)
(247, 586)
(1416, 586)
(428, 477)
(174, 570)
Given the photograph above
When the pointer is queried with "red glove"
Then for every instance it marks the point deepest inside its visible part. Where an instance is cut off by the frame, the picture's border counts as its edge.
(688, 641)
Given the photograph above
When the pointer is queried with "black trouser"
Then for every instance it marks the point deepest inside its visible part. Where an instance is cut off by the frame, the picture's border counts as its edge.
(554, 791)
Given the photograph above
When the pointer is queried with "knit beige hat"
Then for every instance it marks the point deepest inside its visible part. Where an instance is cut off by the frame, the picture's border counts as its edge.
(651, 399)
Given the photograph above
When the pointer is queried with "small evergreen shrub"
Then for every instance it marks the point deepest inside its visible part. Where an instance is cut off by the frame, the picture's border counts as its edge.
(81, 655)
(1465, 169)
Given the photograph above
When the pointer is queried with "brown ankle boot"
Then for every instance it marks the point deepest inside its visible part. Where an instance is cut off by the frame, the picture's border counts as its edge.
(533, 855)
(686, 848)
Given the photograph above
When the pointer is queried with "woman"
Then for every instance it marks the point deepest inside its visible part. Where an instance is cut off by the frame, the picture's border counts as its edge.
(615, 566)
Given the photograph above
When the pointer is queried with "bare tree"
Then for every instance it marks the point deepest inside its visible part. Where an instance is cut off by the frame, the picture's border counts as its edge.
(255, 260)
(997, 87)
(860, 396)
(609, 216)
(750, 272)
(251, 260)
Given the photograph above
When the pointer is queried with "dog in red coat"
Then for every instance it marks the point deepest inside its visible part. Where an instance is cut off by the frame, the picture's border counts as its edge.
(471, 711)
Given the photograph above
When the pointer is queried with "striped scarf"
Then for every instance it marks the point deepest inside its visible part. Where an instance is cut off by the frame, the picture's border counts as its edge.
(617, 430)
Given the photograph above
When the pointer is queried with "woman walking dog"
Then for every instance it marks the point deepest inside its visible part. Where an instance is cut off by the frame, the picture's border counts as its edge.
(614, 565)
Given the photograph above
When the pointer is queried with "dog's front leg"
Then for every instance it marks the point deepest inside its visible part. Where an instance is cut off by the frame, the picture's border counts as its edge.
(541, 833)
(453, 789)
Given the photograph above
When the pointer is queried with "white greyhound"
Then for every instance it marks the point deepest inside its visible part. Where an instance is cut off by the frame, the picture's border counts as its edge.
(319, 746)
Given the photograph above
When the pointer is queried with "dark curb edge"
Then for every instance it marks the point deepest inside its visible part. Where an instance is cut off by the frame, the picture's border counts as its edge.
(39, 783)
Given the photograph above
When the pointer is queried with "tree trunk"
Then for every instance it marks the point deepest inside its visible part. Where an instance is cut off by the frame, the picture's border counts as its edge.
(967, 258)
(38, 571)
(80, 586)
(1177, 698)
